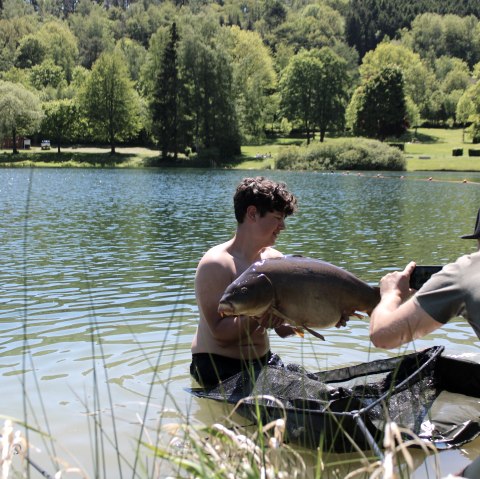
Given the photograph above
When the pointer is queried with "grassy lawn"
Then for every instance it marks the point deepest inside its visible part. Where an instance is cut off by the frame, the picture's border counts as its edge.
(433, 151)
(130, 157)
(429, 150)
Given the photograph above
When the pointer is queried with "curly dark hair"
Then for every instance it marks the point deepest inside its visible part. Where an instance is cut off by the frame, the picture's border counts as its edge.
(265, 194)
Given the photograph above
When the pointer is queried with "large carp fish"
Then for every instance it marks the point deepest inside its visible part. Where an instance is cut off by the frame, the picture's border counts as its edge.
(306, 293)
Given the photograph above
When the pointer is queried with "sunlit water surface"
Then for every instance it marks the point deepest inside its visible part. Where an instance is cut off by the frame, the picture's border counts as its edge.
(97, 270)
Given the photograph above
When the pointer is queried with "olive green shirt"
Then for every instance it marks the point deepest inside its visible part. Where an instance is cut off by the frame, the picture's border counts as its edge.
(454, 291)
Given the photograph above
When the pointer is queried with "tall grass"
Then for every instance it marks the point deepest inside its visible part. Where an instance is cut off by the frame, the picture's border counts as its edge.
(181, 447)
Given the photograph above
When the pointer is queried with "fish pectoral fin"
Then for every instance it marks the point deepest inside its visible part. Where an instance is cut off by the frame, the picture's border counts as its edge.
(311, 331)
(280, 315)
(299, 332)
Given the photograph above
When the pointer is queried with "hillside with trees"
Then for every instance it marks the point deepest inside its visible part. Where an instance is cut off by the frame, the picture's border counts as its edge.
(201, 78)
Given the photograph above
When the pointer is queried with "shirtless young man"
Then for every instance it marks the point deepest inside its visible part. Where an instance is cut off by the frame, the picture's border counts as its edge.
(225, 346)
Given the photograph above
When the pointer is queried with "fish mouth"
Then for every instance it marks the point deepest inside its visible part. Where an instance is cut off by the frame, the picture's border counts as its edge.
(225, 308)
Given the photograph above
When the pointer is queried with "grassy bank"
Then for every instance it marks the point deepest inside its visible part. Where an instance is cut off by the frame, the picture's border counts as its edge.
(79, 157)
(426, 150)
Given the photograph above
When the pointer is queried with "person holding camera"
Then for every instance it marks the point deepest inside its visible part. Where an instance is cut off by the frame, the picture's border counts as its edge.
(401, 317)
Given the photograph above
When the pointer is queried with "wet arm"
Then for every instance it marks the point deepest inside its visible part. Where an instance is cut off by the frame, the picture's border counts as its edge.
(210, 282)
(395, 320)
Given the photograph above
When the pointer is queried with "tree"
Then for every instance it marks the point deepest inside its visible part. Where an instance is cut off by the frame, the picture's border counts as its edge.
(468, 110)
(165, 102)
(31, 51)
(21, 111)
(60, 120)
(314, 90)
(434, 35)
(207, 72)
(137, 23)
(418, 78)
(298, 90)
(46, 74)
(60, 46)
(382, 108)
(109, 101)
(93, 30)
(254, 79)
(11, 33)
(317, 26)
(332, 91)
(135, 55)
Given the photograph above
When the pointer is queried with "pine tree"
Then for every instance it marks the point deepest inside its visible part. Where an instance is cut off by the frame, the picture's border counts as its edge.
(165, 104)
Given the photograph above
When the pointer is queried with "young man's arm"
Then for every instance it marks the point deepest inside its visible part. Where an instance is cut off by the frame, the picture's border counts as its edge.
(211, 280)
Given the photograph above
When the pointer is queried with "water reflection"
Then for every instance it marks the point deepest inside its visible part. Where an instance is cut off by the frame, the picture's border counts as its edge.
(100, 264)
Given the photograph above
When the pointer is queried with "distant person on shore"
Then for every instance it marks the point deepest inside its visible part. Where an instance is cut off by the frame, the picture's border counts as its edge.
(225, 346)
(454, 291)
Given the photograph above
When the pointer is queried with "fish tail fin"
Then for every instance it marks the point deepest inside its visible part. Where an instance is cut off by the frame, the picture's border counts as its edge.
(317, 335)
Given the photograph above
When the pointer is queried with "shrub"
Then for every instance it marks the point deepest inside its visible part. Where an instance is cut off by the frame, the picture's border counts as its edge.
(400, 146)
(358, 154)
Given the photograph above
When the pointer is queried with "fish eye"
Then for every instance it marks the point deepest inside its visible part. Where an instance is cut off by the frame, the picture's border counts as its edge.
(244, 290)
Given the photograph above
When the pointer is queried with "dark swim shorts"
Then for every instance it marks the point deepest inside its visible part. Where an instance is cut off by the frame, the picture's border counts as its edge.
(210, 369)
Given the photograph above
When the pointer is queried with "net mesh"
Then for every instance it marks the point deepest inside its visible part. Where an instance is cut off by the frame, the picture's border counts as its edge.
(399, 389)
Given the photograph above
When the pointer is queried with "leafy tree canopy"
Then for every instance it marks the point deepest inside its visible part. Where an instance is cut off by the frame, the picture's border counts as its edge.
(21, 111)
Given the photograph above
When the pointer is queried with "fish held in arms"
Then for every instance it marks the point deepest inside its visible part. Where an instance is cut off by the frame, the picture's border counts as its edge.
(306, 293)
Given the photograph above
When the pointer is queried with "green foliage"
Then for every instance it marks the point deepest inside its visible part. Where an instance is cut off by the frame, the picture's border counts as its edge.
(436, 35)
(21, 111)
(468, 111)
(314, 90)
(207, 73)
(285, 127)
(46, 74)
(382, 108)
(254, 79)
(110, 102)
(60, 122)
(342, 155)
(369, 22)
(60, 46)
(165, 105)
(93, 31)
(135, 55)
(31, 51)
(11, 32)
(419, 79)
(232, 52)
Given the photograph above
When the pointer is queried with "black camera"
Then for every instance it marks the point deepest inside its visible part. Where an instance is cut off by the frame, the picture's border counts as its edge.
(421, 274)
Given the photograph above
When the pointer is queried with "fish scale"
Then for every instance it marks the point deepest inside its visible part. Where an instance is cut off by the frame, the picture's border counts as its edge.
(307, 293)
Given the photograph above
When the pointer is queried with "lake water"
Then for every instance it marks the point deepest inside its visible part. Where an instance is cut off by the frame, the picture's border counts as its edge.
(97, 269)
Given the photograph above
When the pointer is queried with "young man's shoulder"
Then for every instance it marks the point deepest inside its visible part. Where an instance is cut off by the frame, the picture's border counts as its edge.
(270, 252)
(216, 260)
(218, 254)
